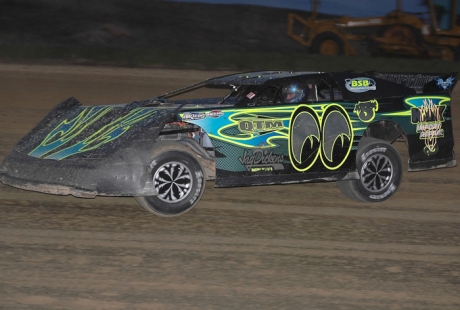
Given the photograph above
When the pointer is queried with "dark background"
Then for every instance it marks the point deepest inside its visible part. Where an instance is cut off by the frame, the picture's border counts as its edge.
(167, 34)
(142, 23)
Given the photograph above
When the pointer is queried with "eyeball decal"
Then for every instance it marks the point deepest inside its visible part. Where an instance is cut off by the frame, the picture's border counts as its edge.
(329, 137)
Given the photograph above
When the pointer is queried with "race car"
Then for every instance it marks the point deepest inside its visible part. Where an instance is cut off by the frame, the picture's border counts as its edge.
(255, 128)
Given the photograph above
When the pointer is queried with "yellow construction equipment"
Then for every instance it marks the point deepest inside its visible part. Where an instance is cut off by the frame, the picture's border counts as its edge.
(431, 34)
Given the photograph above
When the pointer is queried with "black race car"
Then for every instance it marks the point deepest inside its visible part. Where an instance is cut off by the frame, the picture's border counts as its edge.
(256, 128)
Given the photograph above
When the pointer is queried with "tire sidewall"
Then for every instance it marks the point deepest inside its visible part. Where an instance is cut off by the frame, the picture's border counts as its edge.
(384, 149)
(161, 207)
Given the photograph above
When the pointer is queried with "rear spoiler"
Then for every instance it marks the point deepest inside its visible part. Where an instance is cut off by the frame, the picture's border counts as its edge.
(422, 82)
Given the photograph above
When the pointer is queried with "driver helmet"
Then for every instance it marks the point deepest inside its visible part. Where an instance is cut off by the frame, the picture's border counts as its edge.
(293, 93)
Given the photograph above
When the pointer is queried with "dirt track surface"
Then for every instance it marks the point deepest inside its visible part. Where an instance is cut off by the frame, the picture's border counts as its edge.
(300, 246)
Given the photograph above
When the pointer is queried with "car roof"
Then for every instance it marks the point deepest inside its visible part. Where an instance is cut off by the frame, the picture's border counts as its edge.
(389, 84)
(256, 78)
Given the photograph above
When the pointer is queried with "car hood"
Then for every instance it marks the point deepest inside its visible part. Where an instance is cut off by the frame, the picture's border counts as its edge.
(71, 130)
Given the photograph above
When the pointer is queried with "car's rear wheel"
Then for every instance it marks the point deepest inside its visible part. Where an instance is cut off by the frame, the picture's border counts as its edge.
(380, 171)
(178, 179)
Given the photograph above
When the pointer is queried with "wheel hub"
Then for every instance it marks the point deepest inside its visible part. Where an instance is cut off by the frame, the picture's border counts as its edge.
(173, 182)
(376, 173)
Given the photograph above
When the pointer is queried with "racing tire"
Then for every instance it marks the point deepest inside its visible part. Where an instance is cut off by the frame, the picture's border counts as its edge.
(327, 43)
(380, 170)
(179, 180)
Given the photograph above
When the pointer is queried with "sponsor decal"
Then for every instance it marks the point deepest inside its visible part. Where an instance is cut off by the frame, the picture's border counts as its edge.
(445, 84)
(416, 81)
(215, 113)
(193, 116)
(429, 117)
(366, 110)
(360, 84)
(430, 130)
(373, 151)
(260, 125)
(390, 190)
(250, 95)
(261, 169)
(262, 160)
(252, 128)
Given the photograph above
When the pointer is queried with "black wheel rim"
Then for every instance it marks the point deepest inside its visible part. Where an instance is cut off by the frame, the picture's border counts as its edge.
(376, 173)
(173, 182)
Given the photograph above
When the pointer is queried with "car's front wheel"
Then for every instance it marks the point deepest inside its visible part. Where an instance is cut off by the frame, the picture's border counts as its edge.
(380, 171)
(179, 181)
